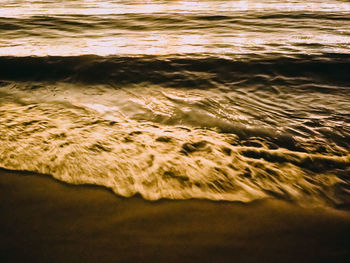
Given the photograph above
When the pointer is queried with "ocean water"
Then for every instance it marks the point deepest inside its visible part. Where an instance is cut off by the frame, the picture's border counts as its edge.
(221, 100)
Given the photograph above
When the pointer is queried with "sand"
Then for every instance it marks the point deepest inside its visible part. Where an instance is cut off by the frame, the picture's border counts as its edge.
(44, 220)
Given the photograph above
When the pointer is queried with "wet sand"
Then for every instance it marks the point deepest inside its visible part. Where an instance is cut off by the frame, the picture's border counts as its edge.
(44, 220)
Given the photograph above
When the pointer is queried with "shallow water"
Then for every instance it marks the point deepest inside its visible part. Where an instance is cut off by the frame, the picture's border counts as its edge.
(224, 100)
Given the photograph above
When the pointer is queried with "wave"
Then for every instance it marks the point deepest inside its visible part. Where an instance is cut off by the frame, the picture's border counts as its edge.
(183, 126)
(167, 21)
(199, 72)
(80, 146)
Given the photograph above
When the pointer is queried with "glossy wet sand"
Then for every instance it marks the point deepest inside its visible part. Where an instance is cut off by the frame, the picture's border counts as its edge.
(43, 220)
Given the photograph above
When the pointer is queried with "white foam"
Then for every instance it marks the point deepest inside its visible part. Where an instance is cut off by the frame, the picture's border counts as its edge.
(79, 145)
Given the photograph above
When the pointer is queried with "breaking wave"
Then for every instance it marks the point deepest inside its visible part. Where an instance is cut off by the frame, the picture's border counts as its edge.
(157, 155)
(198, 72)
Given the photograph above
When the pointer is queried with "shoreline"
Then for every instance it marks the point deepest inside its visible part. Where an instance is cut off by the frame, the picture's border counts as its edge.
(46, 220)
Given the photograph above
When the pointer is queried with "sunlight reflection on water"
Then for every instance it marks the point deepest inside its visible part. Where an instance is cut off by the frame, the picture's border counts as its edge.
(173, 27)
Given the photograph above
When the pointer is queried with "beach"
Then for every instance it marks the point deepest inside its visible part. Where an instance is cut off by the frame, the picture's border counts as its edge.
(44, 220)
(175, 131)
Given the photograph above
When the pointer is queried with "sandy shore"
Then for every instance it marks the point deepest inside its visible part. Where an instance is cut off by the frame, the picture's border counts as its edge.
(43, 220)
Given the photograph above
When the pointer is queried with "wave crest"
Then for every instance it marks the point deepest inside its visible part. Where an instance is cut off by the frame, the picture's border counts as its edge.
(200, 72)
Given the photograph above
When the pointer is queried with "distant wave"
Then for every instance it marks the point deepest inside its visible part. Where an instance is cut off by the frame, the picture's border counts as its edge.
(199, 72)
(166, 21)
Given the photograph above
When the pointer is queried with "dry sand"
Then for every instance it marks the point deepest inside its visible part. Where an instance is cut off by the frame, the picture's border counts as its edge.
(43, 220)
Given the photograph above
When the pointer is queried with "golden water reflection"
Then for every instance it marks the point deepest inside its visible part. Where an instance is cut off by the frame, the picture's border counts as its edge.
(171, 27)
